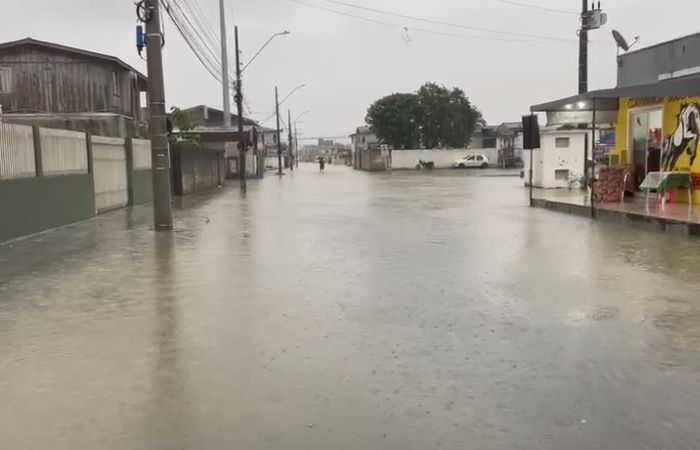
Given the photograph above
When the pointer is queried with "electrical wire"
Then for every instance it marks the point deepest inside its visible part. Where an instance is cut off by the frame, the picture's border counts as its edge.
(211, 49)
(541, 8)
(196, 46)
(437, 22)
(193, 25)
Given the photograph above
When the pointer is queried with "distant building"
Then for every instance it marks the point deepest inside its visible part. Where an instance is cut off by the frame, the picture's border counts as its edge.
(325, 147)
(52, 85)
(364, 139)
(214, 136)
(509, 136)
(484, 136)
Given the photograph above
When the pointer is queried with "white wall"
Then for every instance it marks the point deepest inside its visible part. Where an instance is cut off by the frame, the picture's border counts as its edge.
(16, 152)
(141, 149)
(63, 152)
(109, 164)
(271, 161)
(549, 159)
(443, 159)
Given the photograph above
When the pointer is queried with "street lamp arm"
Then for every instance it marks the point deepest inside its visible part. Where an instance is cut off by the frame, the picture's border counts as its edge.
(293, 91)
(262, 48)
(279, 103)
(300, 115)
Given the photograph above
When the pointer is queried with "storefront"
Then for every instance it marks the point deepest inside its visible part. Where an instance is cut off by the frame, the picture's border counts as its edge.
(657, 129)
(657, 134)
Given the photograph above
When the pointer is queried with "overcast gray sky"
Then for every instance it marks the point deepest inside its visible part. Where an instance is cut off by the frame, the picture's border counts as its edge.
(347, 63)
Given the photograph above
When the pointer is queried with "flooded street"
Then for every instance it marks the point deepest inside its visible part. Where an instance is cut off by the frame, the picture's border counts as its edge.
(349, 310)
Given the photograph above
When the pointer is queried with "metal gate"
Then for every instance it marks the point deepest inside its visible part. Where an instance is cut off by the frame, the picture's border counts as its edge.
(109, 162)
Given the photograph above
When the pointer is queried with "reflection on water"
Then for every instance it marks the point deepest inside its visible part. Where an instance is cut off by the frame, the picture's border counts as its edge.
(351, 310)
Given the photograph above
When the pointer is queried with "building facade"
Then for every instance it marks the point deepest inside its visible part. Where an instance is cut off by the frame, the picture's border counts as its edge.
(677, 58)
(212, 135)
(364, 139)
(52, 85)
(660, 133)
(653, 117)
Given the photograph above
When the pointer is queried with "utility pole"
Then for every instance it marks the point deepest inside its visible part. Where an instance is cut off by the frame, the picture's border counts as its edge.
(158, 127)
(224, 66)
(583, 50)
(289, 138)
(296, 144)
(239, 109)
(279, 143)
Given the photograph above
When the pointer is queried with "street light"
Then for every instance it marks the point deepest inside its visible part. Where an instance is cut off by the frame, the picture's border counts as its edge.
(299, 116)
(296, 135)
(290, 94)
(283, 33)
(277, 114)
(239, 104)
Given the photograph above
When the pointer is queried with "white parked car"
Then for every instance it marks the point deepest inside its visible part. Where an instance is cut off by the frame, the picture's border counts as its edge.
(475, 160)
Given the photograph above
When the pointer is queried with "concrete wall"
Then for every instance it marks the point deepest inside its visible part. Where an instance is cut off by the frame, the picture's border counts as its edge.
(196, 169)
(31, 205)
(548, 161)
(141, 187)
(370, 160)
(271, 161)
(61, 189)
(443, 159)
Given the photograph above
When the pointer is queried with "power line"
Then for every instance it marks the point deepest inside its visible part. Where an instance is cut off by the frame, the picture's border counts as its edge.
(437, 22)
(197, 47)
(423, 30)
(541, 8)
(207, 46)
(197, 33)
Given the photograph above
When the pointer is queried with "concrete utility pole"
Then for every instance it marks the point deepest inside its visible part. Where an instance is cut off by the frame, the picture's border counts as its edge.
(296, 144)
(583, 51)
(158, 127)
(224, 66)
(289, 138)
(239, 109)
(279, 143)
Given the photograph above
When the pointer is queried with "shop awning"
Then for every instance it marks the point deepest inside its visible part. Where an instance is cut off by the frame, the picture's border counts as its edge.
(607, 99)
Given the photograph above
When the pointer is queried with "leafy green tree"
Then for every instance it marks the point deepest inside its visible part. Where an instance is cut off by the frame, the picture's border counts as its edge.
(447, 117)
(183, 122)
(394, 120)
(434, 116)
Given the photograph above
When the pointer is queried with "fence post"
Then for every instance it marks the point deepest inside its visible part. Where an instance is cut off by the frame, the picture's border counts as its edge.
(129, 148)
(88, 140)
(38, 161)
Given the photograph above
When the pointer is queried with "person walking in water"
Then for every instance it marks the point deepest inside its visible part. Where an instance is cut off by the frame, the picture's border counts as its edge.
(321, 164)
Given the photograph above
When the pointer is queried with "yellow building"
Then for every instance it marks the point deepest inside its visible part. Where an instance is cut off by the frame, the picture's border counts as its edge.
(659, 134)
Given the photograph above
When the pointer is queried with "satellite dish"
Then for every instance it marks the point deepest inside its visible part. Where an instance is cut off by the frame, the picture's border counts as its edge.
(621, 42)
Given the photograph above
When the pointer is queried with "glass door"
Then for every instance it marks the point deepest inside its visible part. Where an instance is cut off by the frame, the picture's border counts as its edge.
(639, 138)
(656, 119)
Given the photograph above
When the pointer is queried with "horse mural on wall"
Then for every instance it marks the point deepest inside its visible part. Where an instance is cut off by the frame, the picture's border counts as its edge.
(684, 138)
